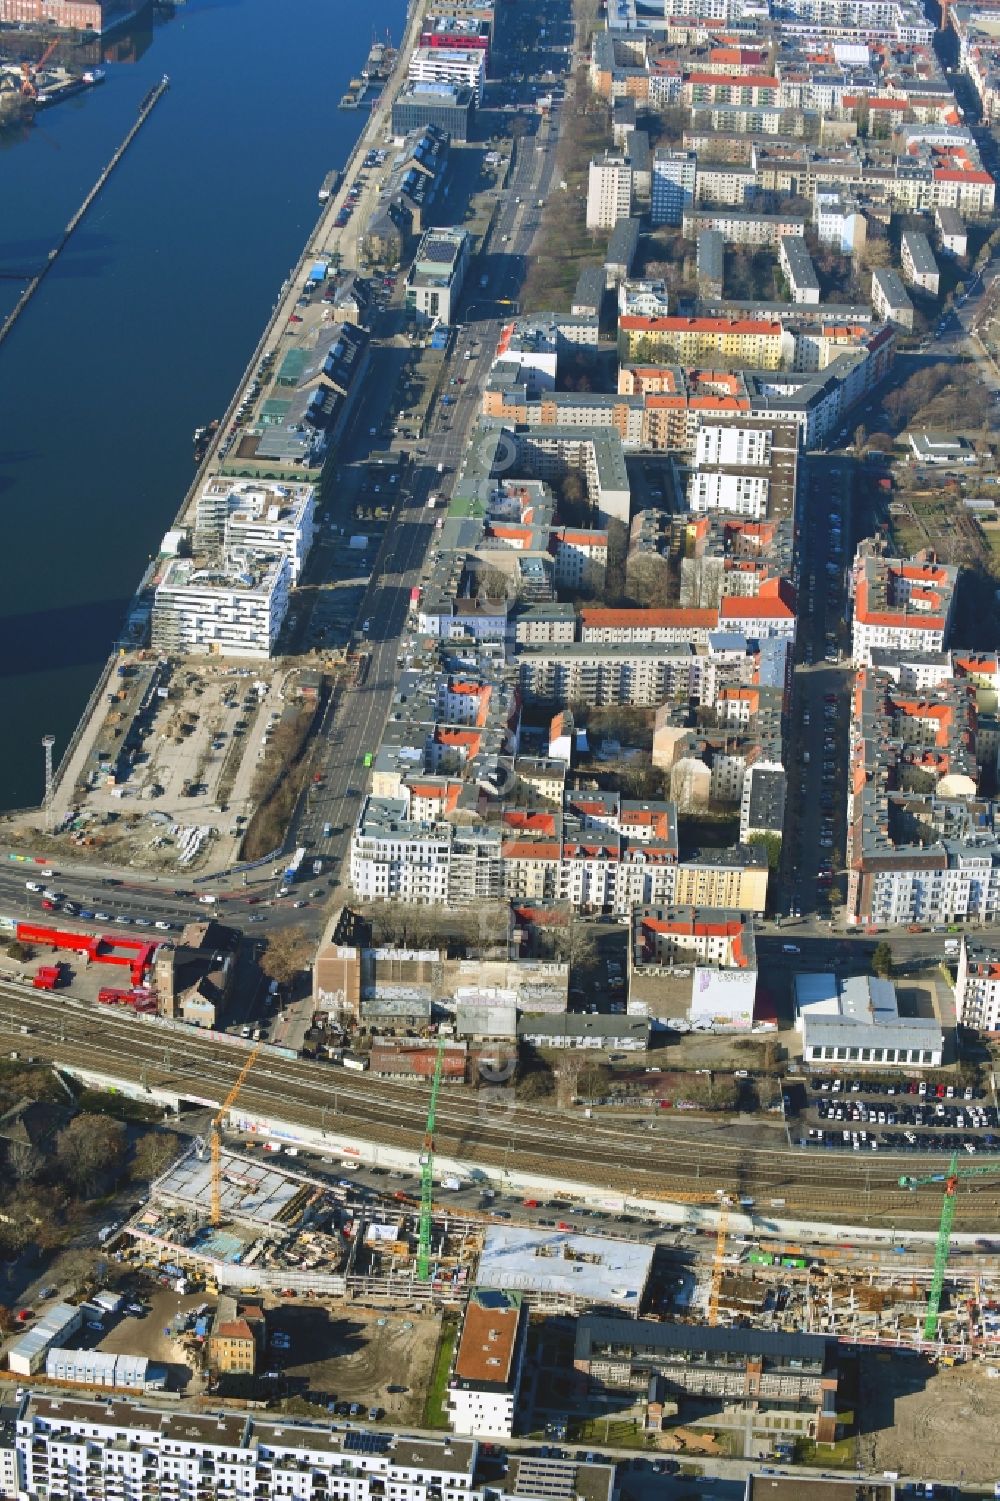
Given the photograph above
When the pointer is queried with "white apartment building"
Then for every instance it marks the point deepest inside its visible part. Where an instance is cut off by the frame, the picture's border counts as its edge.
(580, 557)
(396, 859)
(531, 345)
(741, 226)
(673, 186)
(799, 271)
(749, 446)
(78, 1449)
(258, 515)
(944, 886)
(486, 1380)
(951, 227)
(644, 299)
(725, 184)
(737, 494)
(839, 222)
(900, 605)
(610, 189)
(463, 66)
(436, 275)
(643, 674)
(977, 986)
(919, 266)
(233, 606)
(890, 299)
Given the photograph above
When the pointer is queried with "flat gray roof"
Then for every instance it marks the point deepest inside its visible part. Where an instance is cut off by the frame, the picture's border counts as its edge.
(593, 1268)
(596, 1329)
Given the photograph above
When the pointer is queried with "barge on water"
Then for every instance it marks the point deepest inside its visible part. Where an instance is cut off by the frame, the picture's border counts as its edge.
(203, 439)
(331, 182)
(60, 91)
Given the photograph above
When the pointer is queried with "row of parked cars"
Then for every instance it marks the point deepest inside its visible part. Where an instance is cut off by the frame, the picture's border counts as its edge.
(931, 1113)
(900, 1141)
(922, 1088)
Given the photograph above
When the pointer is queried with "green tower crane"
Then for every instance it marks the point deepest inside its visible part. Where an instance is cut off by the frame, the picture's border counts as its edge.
(950, 1180)
(427, 1172)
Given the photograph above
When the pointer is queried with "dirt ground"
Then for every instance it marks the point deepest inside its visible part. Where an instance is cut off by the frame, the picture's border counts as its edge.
(941, 1424)
(151, 1336)
(354, 1355)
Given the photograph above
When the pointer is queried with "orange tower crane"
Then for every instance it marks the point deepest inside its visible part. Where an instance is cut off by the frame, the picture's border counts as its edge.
(216, 1134)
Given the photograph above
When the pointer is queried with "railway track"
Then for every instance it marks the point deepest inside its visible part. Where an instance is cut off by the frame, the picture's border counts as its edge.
(482, 1130)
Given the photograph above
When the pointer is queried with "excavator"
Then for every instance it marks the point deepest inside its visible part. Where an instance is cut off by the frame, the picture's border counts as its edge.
(30, 72)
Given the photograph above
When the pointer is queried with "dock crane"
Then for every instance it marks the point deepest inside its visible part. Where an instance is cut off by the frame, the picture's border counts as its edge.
(950, 1179)
(216, 1134)
(427, 1172)
(30, 71)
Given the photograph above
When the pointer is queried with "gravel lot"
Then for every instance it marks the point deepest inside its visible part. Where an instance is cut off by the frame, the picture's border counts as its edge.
(938, 1424)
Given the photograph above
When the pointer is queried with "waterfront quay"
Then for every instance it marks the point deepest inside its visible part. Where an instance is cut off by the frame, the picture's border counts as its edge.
(327, 242)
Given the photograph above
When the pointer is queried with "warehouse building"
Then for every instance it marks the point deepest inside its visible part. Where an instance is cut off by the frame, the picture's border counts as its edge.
(26, 1357)
(857, 1021)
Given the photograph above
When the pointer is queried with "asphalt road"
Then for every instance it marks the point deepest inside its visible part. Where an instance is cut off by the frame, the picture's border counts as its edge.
(352, 727)
(818, 731)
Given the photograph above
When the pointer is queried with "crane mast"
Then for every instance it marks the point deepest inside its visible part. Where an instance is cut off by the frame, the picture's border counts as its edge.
(942, 1249)
(427, 1172)
(216, 1135)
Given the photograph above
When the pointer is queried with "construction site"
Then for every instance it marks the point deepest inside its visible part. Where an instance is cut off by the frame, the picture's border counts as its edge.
(168, 768)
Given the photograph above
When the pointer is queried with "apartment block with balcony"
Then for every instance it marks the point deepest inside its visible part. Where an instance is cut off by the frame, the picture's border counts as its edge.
(610, 191)
(489, 1363)
(79, 1448)
(899, 604)
(977, 985)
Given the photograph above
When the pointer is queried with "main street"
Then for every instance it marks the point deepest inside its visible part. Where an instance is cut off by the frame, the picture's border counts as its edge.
(352, 728)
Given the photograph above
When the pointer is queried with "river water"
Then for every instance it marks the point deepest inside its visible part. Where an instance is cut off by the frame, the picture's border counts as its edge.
(148, 318)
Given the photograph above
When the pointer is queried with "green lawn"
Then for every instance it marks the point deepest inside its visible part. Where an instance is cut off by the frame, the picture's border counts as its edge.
(839, 1456)
(435, 1415)
(623, 1433)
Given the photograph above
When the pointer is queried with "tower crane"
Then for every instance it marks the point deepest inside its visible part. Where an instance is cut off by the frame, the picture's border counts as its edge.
(427, 1172)
(718, 1261)
(725, 1204)
(216, 1134)
(950, 1179)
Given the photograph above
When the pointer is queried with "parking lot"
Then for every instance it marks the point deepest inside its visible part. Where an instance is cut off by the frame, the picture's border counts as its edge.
(178, 749)
(911, 1116)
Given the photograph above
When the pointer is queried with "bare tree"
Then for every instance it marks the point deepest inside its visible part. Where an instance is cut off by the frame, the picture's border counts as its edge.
(647, 576)
(24, 1161)
(153, 1154)
(287, 955)
(89, 1150)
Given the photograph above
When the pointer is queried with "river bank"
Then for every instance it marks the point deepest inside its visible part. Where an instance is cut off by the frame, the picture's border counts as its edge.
(149, 316)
